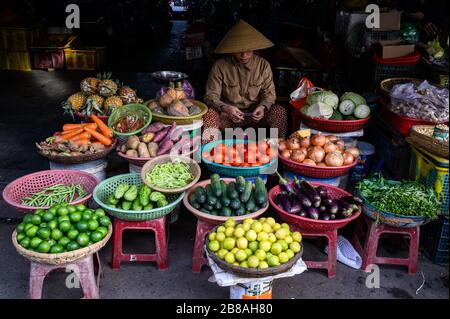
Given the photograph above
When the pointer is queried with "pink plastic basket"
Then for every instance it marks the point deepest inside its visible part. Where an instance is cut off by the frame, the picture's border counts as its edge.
(22, 187)
(312, 224)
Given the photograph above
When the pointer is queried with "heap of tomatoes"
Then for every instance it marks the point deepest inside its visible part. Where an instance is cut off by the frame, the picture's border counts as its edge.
(241, 155)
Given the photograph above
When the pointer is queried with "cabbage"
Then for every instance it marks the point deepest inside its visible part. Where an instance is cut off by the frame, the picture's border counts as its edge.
(319, 109)
(354, 97)
(327, 97)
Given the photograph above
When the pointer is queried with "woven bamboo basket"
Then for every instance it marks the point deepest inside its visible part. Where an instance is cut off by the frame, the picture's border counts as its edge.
(63, 258)
(422, 136)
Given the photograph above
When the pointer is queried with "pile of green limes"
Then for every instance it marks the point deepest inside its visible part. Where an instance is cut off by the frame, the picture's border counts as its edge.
(62, 228)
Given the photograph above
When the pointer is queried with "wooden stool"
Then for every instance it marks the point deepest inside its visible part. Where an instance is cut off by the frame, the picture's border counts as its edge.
(330, 264)
(156, 225)
(83, 268)
(369, 252)
(198, 258)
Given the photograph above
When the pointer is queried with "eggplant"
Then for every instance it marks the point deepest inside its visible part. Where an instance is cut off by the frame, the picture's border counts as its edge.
(326, 217)
(353, 200)
(311, 192)
(296, 207)
(313, 213)
(344, 205)
(332, 216)
(304, 200)
(302, 214)
(323, 192)
(333, 208)
(322, 209)
(345, 213)
(285, 185)
(284, 202)
(326, 201)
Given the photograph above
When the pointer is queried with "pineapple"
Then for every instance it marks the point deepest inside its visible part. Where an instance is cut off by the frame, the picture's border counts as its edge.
(94, 104)
(89, 85)
(112, 103)
(107, 88)
(75, 103)
(127, 94)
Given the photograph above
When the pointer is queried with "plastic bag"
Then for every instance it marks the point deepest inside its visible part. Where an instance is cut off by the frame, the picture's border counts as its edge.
(187, 88)
(425, 101)
(298, 97)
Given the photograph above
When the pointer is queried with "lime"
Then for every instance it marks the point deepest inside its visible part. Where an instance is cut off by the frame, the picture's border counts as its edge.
(214, 245)
(82, 226)
(44, 247)
(80, 207)
(75, 217)
(44, 233)
(94, 217)
(35, 242)
(72, 234)
(27, 218)
(92, 225)
(64, 241)
(56, 234)
(63, 218)
(86, 215)
(73, 245)
(104, 221)
(52, 210)
(20, 228)
(96, 236)
(53, 224)
(31, 232)
(83, 240)
(72, 209)
(46, 217)
(20, 236)
(102, 230)
(36, 219)
(64, 226)
(27, 226)
(43, 225)
(57, 249)
(100, 212)
(39, 211)
(240, 255)
(51, 242)
(25, 243)
(62, 211)
(253, 261)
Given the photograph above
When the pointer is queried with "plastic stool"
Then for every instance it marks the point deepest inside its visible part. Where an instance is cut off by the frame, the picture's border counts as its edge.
(83, 268)
(156, 225)
(369, 252)
(198, 259)
(330, 264)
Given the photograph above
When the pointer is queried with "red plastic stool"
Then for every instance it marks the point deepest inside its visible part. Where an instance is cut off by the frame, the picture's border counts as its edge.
(83, 268)
(198, 259)
(156, 225)
(330, 264)
(369, 252)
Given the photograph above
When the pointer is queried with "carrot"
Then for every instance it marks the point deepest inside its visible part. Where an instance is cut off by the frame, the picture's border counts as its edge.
(81, 136)
(97, 143)
(71, 127)
(102, 126)
(72, 134)
(81, 141)
(100, 137)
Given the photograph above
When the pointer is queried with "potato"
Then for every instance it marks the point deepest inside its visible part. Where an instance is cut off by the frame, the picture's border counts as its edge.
(132, 153)
(143, 151)
(147, 138)
(153, 149)
(124, 148)
(133, 142)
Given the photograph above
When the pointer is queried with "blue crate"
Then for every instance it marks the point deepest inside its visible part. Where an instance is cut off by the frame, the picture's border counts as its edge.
(436, 240)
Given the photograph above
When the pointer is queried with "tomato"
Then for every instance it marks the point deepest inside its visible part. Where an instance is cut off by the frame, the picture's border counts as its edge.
(264, 159)
(218, 158)
(207, 155)
(271, 152)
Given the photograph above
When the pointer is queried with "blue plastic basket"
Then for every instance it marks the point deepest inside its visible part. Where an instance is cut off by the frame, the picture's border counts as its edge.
(435, 239)
(233, 171)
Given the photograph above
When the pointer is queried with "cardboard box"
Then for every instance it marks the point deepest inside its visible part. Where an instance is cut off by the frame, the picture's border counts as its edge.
(395, 49)
(389, 21)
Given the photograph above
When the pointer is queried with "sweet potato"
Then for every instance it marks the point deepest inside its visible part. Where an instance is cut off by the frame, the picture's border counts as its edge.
(194, 109)
(177, 108)
(182, 146)
(153, 128)
(161, 135)
(147, 138)
(153, 149)
(165, 147)
(177, 134)
(143, 151)
(133, 142)
(132, 153)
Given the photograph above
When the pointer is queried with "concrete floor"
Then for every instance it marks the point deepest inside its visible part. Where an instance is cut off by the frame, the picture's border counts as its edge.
(30, 111)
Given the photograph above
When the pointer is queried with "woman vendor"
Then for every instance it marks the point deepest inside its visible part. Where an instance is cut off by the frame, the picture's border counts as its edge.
(240, 91)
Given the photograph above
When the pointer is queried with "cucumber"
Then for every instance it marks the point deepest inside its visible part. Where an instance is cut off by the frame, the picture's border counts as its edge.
(231, 191)
(218, 205)
(260, 192)
(226, 211)
(200, 195)
(192, 198)
(211, 199)
(245, 195)
(215, 185)
(235, 204)
(196, 205)
(240, 211)
(208, 207)
(362, 111)
(347, 107)
(204, 210)
(214, 213)
(240, 184)
(224, 200)
(337, 116)
(250, 205)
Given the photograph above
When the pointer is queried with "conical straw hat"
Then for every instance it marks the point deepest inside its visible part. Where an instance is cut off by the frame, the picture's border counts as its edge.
(241, 38)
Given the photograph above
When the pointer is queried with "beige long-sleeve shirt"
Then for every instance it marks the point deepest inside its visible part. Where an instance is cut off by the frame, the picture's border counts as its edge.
(242, 85)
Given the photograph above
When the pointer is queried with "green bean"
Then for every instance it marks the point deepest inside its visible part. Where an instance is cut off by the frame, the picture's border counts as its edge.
(170, 175)
(55, 194)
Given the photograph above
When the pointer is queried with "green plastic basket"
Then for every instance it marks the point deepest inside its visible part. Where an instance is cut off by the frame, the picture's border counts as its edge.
(233, 171)
(107, 188)
(129, 109)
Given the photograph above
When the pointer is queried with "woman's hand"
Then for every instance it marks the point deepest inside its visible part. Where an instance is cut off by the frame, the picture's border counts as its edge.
(258, 114)
(235, 114)
(431, 30)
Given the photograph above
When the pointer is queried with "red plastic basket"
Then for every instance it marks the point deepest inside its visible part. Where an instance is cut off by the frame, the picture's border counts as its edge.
(401, 124)
(333, 126)
(22, 187)
(316, 171)
(407, 60)
(312, 224)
